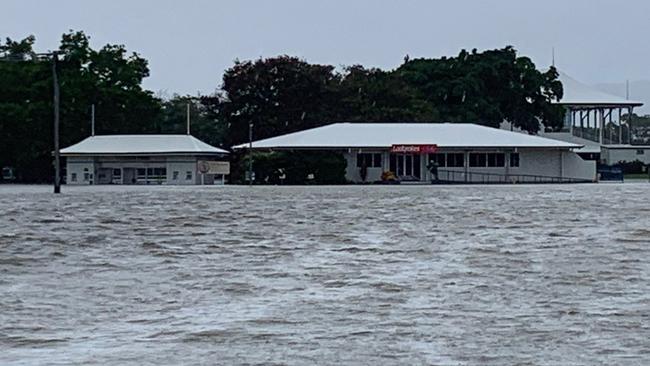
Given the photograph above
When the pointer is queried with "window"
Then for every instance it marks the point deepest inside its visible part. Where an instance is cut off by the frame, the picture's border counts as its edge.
(175, 175)
(117, 173)
(496, 160)
(640, 152)
(492, 160)
(73, 177)
(478, 160)
(86, 176)
(455, 160)
(514, 160)
(438, 158)
(188, 175)
(160, 172)
(376, 160)
(369, 160)
(141, 175)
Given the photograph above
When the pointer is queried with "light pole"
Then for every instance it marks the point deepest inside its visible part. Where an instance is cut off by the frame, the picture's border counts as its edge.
(57, 153)
(55, 80)
(250, 154)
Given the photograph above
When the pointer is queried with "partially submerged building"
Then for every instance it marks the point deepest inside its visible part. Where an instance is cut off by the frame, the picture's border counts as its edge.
(460, 152)
(144, 159)
(595, 119)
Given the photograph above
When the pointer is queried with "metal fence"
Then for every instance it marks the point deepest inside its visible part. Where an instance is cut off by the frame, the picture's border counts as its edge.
(461, 177)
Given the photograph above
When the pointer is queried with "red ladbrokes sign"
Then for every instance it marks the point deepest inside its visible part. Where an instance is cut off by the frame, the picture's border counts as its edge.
(413, 149)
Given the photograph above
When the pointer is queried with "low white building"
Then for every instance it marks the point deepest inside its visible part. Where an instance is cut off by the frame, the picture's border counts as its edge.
(144, 159)
(461, 152)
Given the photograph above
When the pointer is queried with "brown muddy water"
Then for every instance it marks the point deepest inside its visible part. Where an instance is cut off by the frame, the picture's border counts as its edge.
(540, 275)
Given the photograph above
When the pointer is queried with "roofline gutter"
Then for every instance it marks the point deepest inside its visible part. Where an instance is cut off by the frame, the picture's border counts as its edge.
(148, 154)
(600, 105)
(577, 146)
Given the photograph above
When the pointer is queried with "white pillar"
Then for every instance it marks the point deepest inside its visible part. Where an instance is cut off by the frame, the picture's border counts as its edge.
(629, 125)
(600, 122)
(620, 127)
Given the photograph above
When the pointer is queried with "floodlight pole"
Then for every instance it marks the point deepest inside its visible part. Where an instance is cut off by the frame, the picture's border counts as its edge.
(57, 154)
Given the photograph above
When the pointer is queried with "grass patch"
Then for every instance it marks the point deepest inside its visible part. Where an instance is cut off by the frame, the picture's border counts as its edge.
(636, 176)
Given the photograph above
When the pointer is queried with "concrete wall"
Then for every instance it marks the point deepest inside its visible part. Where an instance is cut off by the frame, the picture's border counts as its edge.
(539, 162)
(180, 170)
(575, 167)
(613, 155)
(80, 171)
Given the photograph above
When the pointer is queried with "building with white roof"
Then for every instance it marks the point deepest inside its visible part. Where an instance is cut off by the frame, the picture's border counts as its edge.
(144, 159)
(596, 116)
(458, 152)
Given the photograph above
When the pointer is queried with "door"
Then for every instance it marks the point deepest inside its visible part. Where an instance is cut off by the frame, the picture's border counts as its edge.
(406, 166)
(128, 176)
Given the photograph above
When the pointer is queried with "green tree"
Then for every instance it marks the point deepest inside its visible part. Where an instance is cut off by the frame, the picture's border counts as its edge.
(373, 95)
(204, 124)
(487, 88)
(279, 95)
(109, 77)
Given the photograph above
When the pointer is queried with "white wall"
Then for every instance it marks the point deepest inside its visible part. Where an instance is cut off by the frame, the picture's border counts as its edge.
(575, 167)
(539, 162)
(80, 170)
(615, 155)
(183, 166)
(180, 164)
(533, 162)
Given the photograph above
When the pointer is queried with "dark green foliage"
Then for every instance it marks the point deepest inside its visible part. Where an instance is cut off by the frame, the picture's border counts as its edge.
(373, 95)
(285, 94)
(487, 88)
(109, 78)
(327, 167)
(633, 167)
(279, 95)
(203, 122)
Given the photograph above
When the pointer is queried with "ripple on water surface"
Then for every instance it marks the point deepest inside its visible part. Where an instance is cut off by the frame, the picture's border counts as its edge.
(322, 275)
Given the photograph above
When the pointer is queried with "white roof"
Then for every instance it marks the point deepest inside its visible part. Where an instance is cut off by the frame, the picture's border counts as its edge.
(591, 147)
(384, 135)
(577, 93)
(142, 145)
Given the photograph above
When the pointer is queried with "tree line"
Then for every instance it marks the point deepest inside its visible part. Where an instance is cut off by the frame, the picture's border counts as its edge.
(278, 95)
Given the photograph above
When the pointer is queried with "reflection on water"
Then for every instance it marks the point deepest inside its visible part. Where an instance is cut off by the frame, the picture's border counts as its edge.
(323, 275)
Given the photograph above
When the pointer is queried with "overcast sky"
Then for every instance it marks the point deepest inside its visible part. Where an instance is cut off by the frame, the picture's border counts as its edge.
(190, 43)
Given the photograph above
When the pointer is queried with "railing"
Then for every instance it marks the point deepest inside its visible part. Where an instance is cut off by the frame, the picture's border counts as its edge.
(469, 177)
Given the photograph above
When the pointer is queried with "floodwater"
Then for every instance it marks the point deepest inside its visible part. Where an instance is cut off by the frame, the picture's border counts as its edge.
(367, 275)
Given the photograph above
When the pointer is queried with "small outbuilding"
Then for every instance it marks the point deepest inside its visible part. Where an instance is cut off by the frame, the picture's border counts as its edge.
(445, 152)
(145, 159)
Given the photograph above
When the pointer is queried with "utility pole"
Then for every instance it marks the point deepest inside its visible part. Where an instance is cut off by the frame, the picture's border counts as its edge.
(553, 56)
(250, 154)
(188, 118)
(92, 120)
(57, 155)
